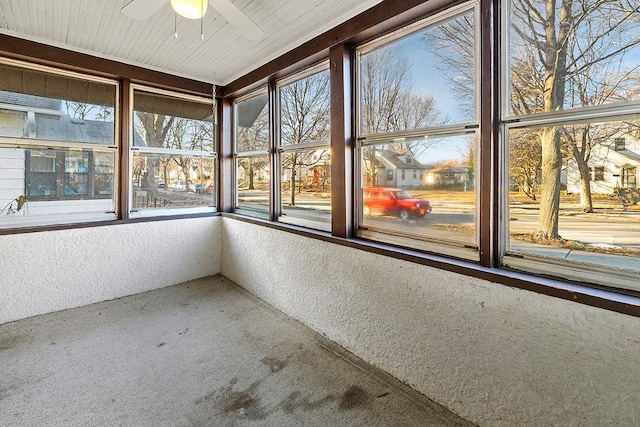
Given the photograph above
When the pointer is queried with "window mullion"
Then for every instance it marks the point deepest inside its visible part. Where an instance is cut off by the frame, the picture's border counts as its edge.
(488, 160)
(274, 184)
(342, 141)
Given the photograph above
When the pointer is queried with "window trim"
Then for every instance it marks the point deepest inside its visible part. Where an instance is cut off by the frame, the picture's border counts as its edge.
(474, 127)
(409, 30)
(280, 149)
(44, 144)
(529, 263)
(236, 155)
(131, 149)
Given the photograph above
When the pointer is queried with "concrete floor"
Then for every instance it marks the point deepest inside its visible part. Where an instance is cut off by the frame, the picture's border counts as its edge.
(204, 353)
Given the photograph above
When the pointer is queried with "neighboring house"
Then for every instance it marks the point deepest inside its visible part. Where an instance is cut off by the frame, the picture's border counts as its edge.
(398, 168)
(74, 180)
(614, 165)
(445, 177)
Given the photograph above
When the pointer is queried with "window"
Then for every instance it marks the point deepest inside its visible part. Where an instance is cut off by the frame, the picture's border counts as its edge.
(598, 173)
(303, 147)
(251, 124)
(173, 164)
(567, 96)
(69, 175)
(421, 110)
(629, 177)
(57, 146)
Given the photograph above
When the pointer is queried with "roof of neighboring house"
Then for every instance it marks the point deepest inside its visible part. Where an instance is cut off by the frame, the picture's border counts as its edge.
(64, 128)
(398, 162)
(30, 101)
(628, 153)
(61, 127)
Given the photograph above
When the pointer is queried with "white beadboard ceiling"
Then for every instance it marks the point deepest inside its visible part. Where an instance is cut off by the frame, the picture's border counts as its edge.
(97, 27)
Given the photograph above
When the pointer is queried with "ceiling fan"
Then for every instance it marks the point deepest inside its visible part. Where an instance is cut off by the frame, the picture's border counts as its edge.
(143, 9)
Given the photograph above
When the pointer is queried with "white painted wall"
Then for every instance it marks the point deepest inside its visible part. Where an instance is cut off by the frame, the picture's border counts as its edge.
(49, 271)
(11, 174)
(492, 354)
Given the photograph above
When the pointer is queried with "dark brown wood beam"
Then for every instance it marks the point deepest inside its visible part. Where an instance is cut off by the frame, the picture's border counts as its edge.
(124, 149)
(342, 142)
(226, 164)
(488, 156)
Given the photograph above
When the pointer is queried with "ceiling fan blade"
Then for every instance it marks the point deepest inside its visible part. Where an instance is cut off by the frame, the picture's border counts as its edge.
(142, 9)
(237, 18)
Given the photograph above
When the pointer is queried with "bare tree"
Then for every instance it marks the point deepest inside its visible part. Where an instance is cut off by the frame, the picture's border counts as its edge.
(188, 134)
(389, 103)
(83, 110)
(562, 53)
(153, 128)
(568, 44)
(453, 42)
(253, 138)
(304, 117)
(525, 161)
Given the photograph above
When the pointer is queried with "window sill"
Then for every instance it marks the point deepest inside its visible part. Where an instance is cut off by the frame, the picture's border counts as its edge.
(102, 223)
(626, 303)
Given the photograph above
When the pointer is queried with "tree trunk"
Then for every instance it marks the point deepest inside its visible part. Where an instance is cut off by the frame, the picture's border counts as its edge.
(550, 192)
(581, 151)
(251, 187)
(586, 204)
(292, 198)
(555, 53)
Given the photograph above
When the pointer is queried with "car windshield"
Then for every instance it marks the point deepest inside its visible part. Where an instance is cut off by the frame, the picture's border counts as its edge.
(403, 195)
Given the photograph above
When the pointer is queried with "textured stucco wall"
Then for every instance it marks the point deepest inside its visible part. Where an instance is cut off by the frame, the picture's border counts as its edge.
(50, 271)
(492, 354)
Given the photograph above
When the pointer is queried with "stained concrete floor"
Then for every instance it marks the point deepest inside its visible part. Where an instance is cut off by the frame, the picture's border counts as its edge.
(203, 353)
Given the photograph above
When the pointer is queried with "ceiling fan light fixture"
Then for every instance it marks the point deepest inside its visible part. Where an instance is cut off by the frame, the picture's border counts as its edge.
(191, 9)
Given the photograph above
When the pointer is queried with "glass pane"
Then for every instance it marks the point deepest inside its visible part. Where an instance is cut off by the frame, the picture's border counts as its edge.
(306, 185)
(423, 80)
(76, 171)
(55, 182)
(421, 188)
(252, 175)
(559, 208)
(13, 123)
(304, 110)
(171, 181)
(582, 56)
(46, 106)
(103, 174)
(252, 124)
(162, 121)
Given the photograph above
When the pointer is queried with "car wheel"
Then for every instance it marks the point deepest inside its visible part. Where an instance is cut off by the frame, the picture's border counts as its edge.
(366, 211)
(403, 214)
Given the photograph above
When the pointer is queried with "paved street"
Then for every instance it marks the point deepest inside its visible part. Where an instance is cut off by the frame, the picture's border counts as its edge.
(448, 221)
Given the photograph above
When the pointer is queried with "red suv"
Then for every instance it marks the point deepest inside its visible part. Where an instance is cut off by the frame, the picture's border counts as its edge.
(394, 201)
